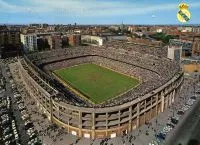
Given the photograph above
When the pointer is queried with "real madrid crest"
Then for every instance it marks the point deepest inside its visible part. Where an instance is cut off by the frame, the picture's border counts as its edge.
(183, 14)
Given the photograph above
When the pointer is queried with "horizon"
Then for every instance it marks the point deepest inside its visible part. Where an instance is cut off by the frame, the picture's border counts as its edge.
(26, 24)
(95, 12)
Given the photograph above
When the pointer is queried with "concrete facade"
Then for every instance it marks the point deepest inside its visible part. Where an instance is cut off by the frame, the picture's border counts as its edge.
(29, 42)
(95, 40)
(99, 122)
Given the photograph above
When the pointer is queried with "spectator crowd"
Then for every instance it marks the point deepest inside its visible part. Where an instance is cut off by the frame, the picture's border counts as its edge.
(148, 65)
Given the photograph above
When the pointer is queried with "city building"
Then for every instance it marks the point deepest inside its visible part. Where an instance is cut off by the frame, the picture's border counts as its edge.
(9, 43)
(9, 37)
(74, 39)
(29, 42)
(65, 41)
(185, 44)
(147, 42)
(175, 53)
(196, 46)
(185, 29)
(47, 41)
(159, 30)
(92, 40)
(55, 42)
(34, 25)
(42, 43)
(196, 29)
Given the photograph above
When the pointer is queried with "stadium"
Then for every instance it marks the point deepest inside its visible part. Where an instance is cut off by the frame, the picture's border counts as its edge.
(99, 92)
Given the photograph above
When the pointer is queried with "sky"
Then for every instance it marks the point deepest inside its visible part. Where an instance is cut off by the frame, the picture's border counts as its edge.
(95, 11)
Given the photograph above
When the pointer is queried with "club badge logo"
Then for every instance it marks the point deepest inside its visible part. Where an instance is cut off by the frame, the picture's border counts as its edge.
(183, 14)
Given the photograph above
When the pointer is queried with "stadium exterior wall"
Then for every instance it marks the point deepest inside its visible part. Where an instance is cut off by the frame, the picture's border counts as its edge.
(102, 122)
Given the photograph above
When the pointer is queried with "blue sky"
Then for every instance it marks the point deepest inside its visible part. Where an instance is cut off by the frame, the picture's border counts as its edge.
(95, 11)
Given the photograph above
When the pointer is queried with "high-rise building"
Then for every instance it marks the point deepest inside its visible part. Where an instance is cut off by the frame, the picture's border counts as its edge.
(175, 53)
(9, 43)
(56, 42)
(9, 37)
(65, 41)
(185, 44)
(29, 42)
(92, 40)
(196, 29)
(196, 46)
(74, 39)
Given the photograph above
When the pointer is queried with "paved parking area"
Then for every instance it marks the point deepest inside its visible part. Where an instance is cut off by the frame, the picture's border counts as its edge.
(16, 112)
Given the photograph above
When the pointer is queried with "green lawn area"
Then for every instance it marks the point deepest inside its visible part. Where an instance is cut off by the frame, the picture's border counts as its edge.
(98, 84)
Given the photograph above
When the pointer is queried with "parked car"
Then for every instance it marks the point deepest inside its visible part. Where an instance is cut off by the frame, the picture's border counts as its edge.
(180, 112)
(193, 98)
(161, 136)
(174, 120)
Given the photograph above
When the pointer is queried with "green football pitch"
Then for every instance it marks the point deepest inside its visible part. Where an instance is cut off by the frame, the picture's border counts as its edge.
(96, 83)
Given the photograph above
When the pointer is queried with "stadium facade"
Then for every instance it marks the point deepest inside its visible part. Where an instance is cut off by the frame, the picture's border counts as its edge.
(161, 81)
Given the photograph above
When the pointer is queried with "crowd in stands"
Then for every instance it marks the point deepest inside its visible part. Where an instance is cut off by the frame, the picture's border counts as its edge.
(146, 64)
(64, 95)
(143, 49)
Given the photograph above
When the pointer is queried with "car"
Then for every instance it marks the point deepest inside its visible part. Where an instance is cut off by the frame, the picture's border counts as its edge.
(4, 116)
(28, 125)
(3, 112)
(161, 136)
(27, 122)
(7, 137)
(6, 132)
(32, 141)
(5, 121)
(3, 107)
(30, 131)
(26, 116)
(33, 135)
(8, 142)
(174, 120)
(180, 112)
(24, 112)
(197, 92)
(193, 98)
(16, 136)
(15, 131)
(17, 95)
(21, 107)
(171, 125)
(190, 102)
(11, 81)
(5, 125)
(153, 142)
(8, 98)
(14, 127)
(185, 107)
(19, 102)
(2, 90)
(13, 122)
(166, 129)
(18, 98)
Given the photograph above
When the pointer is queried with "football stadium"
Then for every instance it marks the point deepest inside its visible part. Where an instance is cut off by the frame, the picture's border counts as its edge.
(96, 83)
(99, 92)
